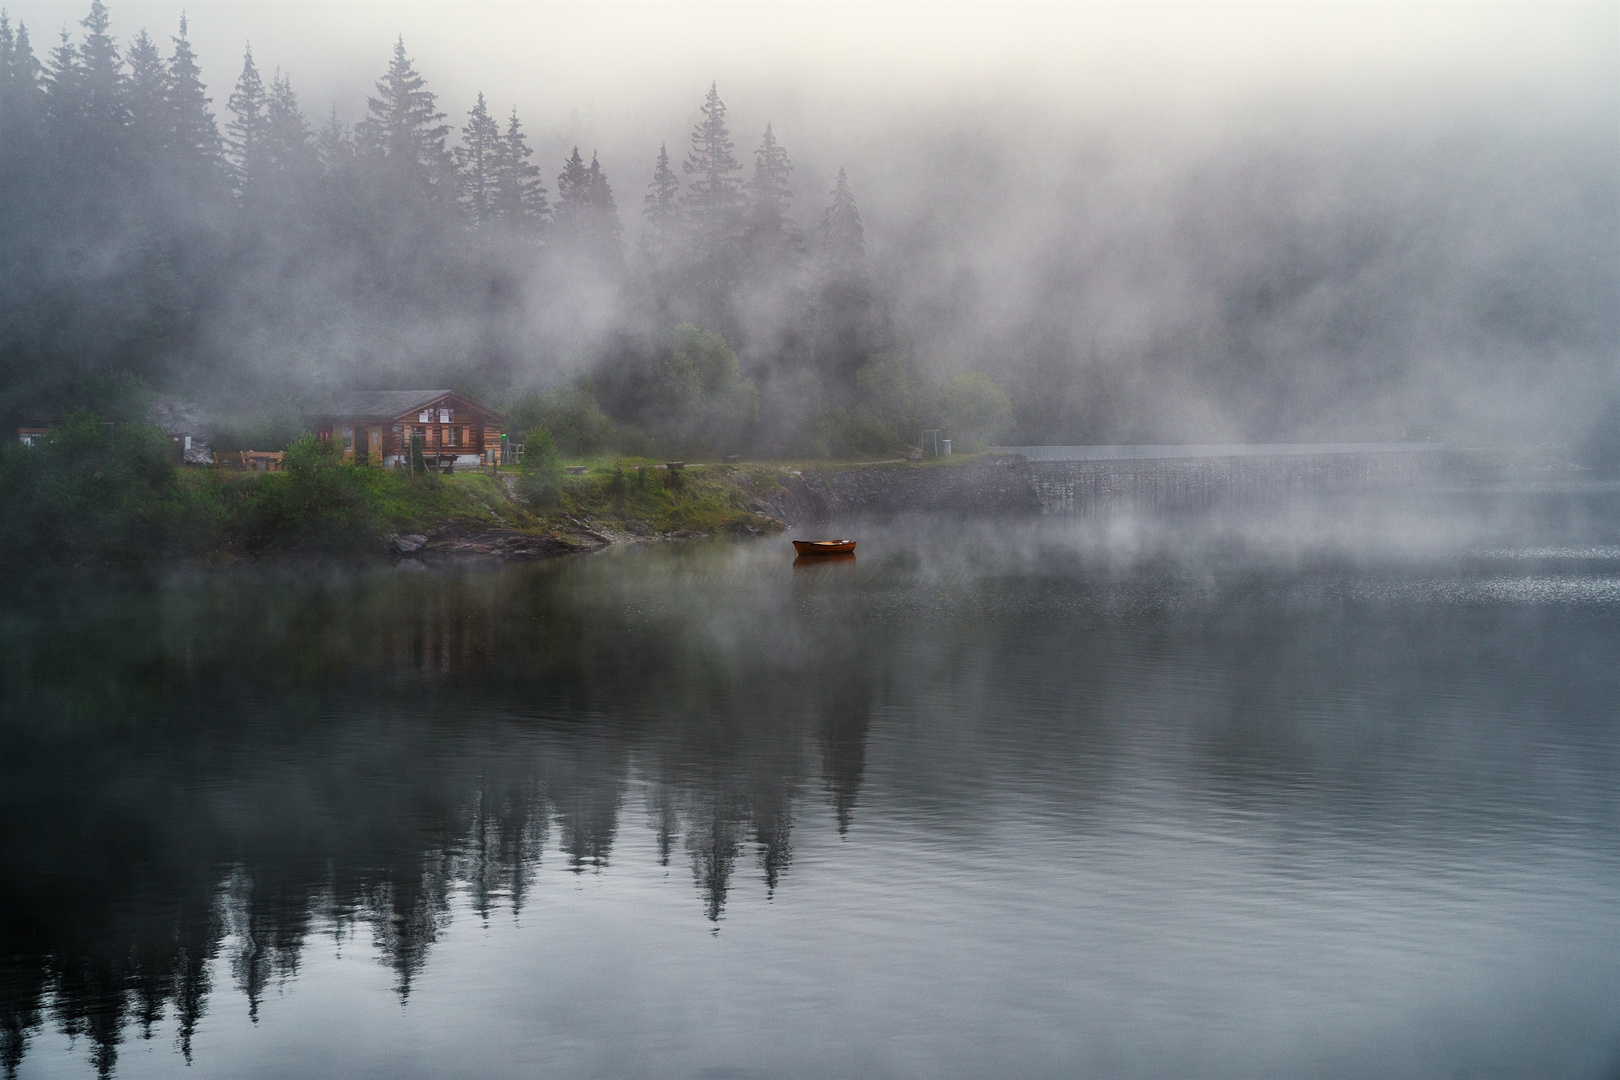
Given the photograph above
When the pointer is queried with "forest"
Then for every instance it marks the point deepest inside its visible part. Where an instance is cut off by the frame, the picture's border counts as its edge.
(256, 257)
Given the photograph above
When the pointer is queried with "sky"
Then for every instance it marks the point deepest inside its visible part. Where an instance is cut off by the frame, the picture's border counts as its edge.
(625, 76)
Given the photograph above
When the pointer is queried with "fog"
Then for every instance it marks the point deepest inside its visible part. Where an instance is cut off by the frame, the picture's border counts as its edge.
(1196, 223)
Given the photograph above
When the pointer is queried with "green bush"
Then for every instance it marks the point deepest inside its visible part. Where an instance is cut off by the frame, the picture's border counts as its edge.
(318, 501)
(90, 489)
(540, 481)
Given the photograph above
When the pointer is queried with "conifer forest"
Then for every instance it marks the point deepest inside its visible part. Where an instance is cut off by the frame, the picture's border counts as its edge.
(234, 245)
(1329, 271)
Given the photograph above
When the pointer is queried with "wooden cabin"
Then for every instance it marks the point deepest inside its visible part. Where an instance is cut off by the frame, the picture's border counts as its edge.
(376, 427)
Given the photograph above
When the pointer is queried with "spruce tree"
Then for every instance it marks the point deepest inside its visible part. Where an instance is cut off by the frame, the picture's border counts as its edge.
(245, 131)
(606, 232)
(662, 210)
(194, 137)
(477, 163)
(147, 95)
(573, 193)
(335, 145)
(21, 94)
(773, 235)
(404, 130)
(844, 315)
(843, 237)
(714, 193)
(587, 221)
(63, 88)
(286, 150)
(101, 75)
(519, 198)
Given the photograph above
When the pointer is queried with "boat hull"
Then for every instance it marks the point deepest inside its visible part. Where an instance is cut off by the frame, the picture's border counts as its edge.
(824, 547)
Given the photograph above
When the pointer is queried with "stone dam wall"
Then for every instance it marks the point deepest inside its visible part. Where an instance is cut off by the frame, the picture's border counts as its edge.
(1099, 479)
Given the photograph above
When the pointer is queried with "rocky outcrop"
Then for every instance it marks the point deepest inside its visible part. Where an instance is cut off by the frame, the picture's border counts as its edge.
(407, 545)
(453, 544)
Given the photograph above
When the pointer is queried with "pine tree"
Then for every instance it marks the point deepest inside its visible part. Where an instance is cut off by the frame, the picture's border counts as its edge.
(519, 199)
(477, 162)
(245, 131)
(714, 193)
(194, 134)
(843, 237)
(662, 210)
(147, 95)
(403, 128)
(773, 234)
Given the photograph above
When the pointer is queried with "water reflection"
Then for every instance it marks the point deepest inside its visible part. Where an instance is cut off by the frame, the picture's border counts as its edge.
(243, 759)
(225, 767)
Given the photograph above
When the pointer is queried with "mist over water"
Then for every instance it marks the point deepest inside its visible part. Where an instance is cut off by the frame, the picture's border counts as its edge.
(1234, 795)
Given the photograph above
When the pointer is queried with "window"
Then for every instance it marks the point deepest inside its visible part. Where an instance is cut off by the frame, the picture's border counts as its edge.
(446, 416)
(454, 441)
(424, 416)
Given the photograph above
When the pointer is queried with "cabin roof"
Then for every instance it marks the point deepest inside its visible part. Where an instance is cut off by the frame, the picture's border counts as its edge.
(391, 404)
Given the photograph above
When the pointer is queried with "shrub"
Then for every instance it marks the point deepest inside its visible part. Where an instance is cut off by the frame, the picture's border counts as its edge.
(540, 482)
(91, 488)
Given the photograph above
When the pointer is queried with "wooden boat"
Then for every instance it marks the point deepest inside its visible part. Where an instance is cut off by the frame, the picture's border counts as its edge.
(824, 547)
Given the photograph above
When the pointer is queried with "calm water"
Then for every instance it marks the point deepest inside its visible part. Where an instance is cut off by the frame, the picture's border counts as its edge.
(1314, 793)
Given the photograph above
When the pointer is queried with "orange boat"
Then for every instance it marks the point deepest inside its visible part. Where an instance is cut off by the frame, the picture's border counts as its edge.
(824, 547)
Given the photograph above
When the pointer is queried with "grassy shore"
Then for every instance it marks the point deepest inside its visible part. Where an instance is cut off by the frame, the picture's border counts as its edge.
(108, 493)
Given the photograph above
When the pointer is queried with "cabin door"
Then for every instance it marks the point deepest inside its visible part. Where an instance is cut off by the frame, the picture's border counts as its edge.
(374, 445)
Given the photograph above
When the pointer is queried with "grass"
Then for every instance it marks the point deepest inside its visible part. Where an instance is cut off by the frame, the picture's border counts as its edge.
(632, 492)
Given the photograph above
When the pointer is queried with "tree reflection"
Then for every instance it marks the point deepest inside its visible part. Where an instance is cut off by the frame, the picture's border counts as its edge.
(198, 776)
(218, 769)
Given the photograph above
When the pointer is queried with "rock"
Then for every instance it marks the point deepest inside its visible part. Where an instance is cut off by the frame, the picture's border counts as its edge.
(740, 478)
(408, 545)
(636, 528)
(498, 544)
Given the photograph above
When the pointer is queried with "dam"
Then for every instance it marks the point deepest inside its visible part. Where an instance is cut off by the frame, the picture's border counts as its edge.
(1094, 479)
(1082, 479)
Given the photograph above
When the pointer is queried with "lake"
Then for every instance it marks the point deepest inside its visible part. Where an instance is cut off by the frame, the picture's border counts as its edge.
(1320, 790)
